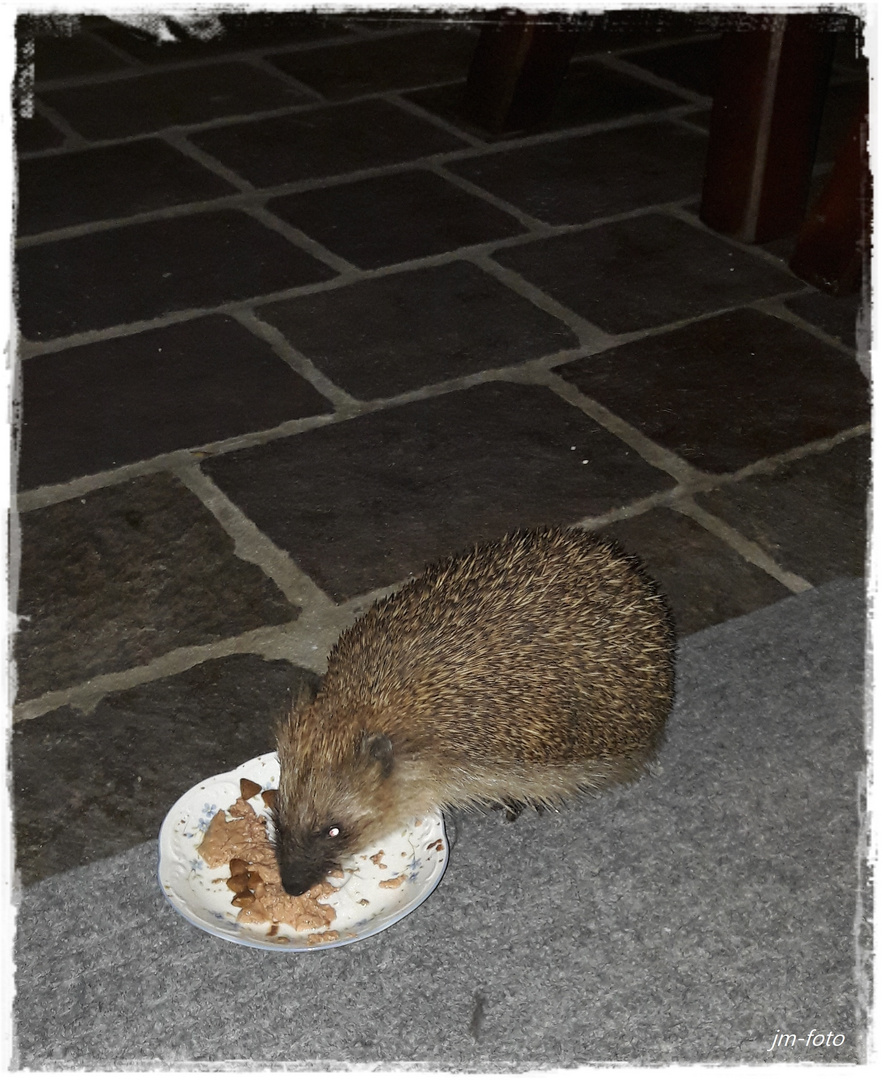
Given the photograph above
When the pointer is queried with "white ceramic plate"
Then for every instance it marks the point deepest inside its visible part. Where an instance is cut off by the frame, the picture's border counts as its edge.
(200, 894)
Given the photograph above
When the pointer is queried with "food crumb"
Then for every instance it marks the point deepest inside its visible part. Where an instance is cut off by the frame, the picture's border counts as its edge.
(325, 935)
(393, 882)
(248, 789)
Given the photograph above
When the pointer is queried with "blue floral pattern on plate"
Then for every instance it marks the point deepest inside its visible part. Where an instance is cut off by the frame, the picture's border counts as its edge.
(417, 855)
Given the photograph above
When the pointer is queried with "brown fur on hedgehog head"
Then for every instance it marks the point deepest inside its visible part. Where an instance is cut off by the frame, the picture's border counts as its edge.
(332, 781)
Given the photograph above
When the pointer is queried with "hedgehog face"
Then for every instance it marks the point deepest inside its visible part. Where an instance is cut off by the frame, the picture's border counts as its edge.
(326, 804)
(306, 854)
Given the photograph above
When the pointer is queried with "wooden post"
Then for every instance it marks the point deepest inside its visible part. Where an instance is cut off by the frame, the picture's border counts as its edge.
(831, 247)
(517, 69)
(764, 127)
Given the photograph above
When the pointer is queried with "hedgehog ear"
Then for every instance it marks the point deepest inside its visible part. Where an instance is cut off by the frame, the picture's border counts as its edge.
(378, 746)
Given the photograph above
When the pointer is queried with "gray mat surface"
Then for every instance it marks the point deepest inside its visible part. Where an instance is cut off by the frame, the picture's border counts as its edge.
(691, 917)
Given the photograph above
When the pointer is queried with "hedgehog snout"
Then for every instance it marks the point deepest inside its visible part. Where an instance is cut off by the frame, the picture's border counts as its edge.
(296, 880)
(301, 870)
(306, 855)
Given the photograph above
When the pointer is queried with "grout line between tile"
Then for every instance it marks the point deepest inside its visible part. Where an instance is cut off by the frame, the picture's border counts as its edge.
(690, 217)
(769, 465)
(703, 482)
(525, 142)
(747, 549)
(623, 66)
(183, 145)
(254, 546)
(261, 63)
(650, 451)
(691, 124)
(534, 224)
(675, 39)
(73, 139)
(49, 494)
(591, 337)
(139, 68)
(398, 98)
(343, 402)
(126, 57)
(657, 500)
(666, 328)
(776, 307)
(514, 142)
(300, 239)
(305, 643)
(265, 641)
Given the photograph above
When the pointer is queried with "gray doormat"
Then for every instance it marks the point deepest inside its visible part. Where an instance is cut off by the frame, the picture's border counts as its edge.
(707, 913)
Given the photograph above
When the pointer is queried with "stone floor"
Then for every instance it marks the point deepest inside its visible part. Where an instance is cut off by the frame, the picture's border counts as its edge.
(292, 328)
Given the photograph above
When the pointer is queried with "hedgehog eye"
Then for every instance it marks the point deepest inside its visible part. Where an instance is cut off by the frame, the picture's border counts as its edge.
(334, 831)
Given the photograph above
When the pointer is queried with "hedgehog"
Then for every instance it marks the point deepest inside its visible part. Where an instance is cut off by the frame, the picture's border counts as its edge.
(520, 673)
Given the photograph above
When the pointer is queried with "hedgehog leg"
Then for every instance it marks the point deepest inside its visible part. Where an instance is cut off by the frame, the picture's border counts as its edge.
(513, 809)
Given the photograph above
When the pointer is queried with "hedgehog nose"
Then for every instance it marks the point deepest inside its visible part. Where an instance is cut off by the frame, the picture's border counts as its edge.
(296, 884)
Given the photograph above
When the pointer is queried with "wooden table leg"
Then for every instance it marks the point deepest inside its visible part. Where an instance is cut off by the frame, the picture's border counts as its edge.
(764, 127)
(517, 69)
(831, 248)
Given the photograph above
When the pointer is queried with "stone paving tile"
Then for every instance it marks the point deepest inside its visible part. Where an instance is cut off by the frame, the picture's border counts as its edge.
(121, 576)
(241, 30)
(33, 133)
(692, 64)
(372, 500)
(394, 333)
(729, 390)
(111, 403)
(142, 271)
(645, 271)
(63, 55)
(109, 182)
(810, 516)
(89, 786)
(390, 219)
(324, 142)
(133, 106)
(571, 180)
(836, 315)
(705, 581)
(348, 70)
(591, 93)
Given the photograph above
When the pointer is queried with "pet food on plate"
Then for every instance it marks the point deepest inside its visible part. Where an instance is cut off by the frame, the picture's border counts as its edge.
(237, 838)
